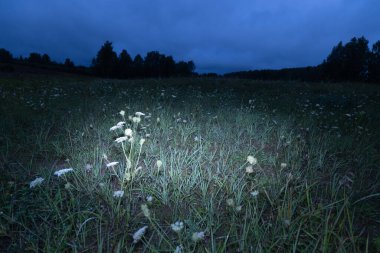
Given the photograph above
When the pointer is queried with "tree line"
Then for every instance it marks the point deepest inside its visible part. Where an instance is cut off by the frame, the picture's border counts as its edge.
(107, 64)
(353, 61)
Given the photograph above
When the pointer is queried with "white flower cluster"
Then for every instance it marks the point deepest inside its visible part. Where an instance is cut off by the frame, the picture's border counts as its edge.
(177, 226)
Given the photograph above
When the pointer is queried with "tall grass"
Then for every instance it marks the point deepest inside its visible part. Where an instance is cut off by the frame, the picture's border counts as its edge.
(314, 187)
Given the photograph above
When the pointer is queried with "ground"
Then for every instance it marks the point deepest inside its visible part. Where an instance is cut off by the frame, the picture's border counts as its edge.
(246, 166)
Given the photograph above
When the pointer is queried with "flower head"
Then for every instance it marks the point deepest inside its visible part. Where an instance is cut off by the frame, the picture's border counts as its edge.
(254, 193)
(61, 172)
(139, 234)
(149, 198)
(178, 249)
(111, 164)
(115, 127)
(198, 236)
(128, 132)
(252, 160)
(159, 163)
(122, 113)
(139, 114)
(142, 141)
(121, 139)
(145, 210)
(249, 169)
(118, 194)
(230, 202)
(136, 119)
(36, 182)
(177, 226)
(283, 165)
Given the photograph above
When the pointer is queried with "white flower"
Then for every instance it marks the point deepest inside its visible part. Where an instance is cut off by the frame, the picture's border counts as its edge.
(128, 132)
(121, 123)
(255, 193)
(118, 194)
(139, 114)
(249, 169)
(111, 164)
(139, 234)
(238, 208)
(283, 165)
(88, 167)
(198, 236)
(36, 182)
(145, 210)
(177, 226)
(121, 139)
(122, 113)
(149, 198)
(159, 163)
(230, 202)
(115, 127)
(61, 172)
(178, 249)
(136, 119)
(68, 186)
(142, 141)
(252, 160)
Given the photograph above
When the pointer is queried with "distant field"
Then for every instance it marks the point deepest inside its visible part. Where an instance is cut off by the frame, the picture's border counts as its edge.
(212, 165)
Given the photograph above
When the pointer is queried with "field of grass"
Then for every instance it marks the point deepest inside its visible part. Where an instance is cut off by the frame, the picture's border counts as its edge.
(212, 165)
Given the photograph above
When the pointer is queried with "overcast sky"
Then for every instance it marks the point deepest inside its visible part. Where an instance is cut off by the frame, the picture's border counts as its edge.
(218, 35)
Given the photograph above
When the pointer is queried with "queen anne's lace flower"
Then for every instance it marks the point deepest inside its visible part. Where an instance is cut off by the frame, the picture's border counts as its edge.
(177, 226)
(36, 182)
(139, 234)
(198, 236)
(61, 172)
(118, 194)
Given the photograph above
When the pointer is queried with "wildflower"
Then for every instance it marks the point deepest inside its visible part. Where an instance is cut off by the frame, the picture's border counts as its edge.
(252, 160)
(283, 165)
(121, 123)
(159, 164)
(149, 198)
(128, 132)
(36, 182)
(88, 167)
(139, 114)
(115, 127)
(61, 172)
(255, 193)
(136, 119)
(230, 202)
(249, 169)
(111, 164)
(145, 210)
(139, 234)
(158, 120)
(142, 141)
(238, 208)
(68, 186)
(118, 194)
(198, 236)
(178, 249)
(121, 139)
(122, 113)
(196, 138)
(177, 226)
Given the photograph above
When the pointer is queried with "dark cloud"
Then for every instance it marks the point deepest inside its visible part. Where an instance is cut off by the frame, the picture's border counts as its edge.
(219, 35)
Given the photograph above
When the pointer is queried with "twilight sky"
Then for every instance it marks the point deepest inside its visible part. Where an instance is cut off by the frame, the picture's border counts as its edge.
(218, 35)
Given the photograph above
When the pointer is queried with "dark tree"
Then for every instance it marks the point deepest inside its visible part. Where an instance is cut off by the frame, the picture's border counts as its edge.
(185, 68)
(68, 63)
(168, 66)
(374, 63)
(5, 56)
(138, 66)
(35, 58)
(45, 59)
(348, 62)
(153, 64)
(125, 64)
(105, 63)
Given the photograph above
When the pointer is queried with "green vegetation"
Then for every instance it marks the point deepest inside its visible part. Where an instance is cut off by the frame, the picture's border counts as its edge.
(226, 166)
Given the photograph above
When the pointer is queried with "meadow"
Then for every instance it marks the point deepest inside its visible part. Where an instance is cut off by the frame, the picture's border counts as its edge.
(188, 165)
